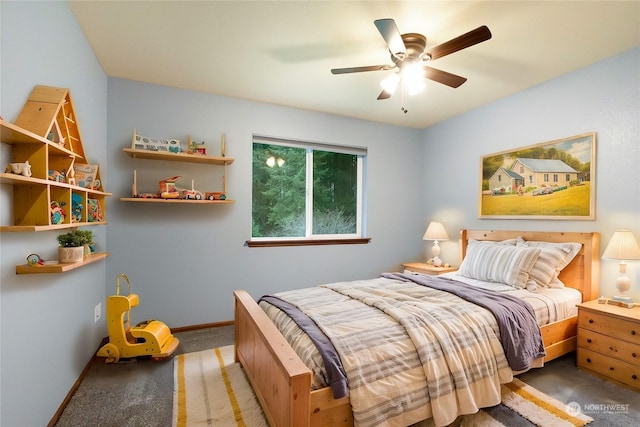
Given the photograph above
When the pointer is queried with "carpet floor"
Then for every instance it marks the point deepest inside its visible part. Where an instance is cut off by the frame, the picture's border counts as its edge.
(140, 394)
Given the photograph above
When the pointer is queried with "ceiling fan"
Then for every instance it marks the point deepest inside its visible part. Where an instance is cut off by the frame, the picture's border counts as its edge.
(408, 54)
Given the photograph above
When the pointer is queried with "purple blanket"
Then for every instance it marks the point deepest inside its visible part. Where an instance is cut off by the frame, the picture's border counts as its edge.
(333, 365)
(519, 332)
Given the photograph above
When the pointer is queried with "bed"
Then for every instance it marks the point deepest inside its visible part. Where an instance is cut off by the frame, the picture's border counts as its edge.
(282, 382)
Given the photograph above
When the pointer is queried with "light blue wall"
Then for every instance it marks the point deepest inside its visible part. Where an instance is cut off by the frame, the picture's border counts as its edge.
(46, 321)
(603, 98)
(185, 260)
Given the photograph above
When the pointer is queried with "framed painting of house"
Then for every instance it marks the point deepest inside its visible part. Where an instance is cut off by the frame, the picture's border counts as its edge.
(550, 180)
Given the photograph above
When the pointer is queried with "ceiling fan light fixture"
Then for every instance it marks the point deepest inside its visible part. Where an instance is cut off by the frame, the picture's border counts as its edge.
(390, 83)
(408, 52)
(413, 77)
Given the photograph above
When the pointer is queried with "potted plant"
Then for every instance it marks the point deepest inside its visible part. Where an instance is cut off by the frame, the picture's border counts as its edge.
(74, 245)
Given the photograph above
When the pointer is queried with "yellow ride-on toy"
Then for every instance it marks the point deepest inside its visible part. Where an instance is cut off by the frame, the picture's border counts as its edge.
(149, 338)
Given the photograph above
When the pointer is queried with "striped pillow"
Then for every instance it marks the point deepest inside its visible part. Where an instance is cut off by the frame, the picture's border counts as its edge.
(493, 262)
(553, 258)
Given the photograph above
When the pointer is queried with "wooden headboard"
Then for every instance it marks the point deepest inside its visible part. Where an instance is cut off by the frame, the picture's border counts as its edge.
(583, 273)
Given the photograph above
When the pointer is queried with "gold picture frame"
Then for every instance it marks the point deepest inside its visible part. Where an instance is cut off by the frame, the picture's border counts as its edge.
(549, 180)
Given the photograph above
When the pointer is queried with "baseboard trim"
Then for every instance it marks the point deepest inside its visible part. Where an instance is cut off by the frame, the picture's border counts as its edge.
(202, 326)
(105, 340)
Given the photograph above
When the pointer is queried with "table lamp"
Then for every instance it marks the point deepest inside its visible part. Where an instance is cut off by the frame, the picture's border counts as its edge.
(435, 231)
(622, 247)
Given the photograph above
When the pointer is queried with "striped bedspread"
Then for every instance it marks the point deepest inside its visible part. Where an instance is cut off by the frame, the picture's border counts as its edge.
(410, 352)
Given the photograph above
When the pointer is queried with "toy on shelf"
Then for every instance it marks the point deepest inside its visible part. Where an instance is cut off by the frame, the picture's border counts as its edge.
(86, 176)
(196, 147)
(19, 168)
(140, 142)
(94, 211)
(215, 195)
(57, 213)
(167, 188)
(54, 175)
(34, 259)
(76, 208)
(192, 194)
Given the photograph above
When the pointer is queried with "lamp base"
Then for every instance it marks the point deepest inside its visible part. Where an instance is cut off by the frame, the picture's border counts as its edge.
(622, 298)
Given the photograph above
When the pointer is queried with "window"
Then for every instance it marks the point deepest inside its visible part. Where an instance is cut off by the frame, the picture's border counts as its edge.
(306, 191)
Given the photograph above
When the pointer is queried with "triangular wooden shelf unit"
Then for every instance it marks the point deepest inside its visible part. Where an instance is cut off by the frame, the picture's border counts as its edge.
(46, 134)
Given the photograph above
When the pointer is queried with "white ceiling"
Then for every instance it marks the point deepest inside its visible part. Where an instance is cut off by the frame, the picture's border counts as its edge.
(281, 52)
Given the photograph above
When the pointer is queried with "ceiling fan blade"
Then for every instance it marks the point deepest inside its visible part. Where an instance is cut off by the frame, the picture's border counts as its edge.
(384, 95)
(389, 32)
(361, 69)
(390, 86)
(444, 77)
(464, 41)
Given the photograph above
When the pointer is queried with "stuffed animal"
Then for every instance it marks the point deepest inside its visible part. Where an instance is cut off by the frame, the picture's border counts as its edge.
(20, 168)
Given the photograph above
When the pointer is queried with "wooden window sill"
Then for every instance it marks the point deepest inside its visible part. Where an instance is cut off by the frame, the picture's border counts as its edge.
(306, 242)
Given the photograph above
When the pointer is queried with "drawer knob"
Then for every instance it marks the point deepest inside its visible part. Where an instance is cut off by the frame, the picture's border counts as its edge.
(590, 320)
(611, 368)
(633, 332)
(634, 376)
(589, 340)
(634, 355)
(588, 360)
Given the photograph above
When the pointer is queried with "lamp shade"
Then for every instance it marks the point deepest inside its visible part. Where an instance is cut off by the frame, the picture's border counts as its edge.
(622, 246)
(435, 231)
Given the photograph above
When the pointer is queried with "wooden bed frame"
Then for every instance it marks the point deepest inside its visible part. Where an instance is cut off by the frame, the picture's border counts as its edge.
(282, 383)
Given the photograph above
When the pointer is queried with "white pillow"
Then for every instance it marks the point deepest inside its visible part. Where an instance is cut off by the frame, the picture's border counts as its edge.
(500, 263)
(553, 258)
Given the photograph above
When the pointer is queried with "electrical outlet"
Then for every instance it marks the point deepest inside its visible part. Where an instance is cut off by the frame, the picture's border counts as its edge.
(97, 312)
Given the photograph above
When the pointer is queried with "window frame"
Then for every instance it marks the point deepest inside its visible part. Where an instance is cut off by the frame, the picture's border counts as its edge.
(311, 239)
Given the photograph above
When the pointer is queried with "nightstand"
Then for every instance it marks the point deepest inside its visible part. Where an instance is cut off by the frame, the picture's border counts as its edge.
(609, 342)
(421, 267)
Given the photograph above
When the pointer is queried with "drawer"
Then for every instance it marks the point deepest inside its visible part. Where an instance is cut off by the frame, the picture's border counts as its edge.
(608, 325)
(610, 347)
(609, 367)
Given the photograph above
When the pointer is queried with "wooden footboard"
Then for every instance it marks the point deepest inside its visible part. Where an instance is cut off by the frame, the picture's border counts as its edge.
(281, 382)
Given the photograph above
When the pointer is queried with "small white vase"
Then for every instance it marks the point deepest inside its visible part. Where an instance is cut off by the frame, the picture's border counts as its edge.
(69, 255)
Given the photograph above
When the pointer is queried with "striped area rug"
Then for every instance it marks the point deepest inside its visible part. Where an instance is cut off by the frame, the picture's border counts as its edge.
(522, 406)
(211, 390)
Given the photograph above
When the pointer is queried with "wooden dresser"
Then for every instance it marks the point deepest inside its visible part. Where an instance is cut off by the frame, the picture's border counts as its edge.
(609, 342)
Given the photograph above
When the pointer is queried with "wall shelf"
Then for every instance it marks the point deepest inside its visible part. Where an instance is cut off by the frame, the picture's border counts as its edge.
(137, 153)
(177, 157)
(59, 268)
(176, 201)
(47, 136)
